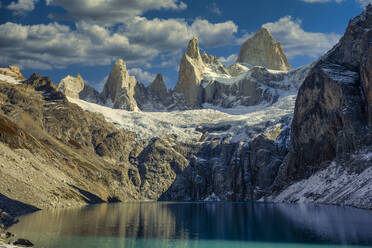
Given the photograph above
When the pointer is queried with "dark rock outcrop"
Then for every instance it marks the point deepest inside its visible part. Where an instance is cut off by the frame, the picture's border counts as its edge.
(333, 109)
(227, 171)
(89, 94)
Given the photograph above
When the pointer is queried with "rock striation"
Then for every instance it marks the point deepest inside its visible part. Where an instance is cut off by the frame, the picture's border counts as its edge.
(119, 89)
(263, 50)
(71, 86)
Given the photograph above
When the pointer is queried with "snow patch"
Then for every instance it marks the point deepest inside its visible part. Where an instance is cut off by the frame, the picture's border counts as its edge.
(9, 79)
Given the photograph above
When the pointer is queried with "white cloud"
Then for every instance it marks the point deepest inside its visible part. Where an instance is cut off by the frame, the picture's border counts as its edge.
(109, 12)
(137, 42)
(229, 60)
(297, 41)
(57, 46)
(212, 35)
(22, 6)
(173, 34)
(141, 75)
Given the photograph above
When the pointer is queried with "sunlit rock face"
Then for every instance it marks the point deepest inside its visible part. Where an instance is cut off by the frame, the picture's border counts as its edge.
(119, 88)
(263, 50)
(71, 86)
(12, 71)
(191, 74)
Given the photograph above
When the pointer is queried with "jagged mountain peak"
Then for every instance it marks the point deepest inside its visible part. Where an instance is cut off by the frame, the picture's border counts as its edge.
(121, 63)
(119, 88)
(158, 84)
(192, 49)
(71, 86)
(264, 32)
(262, 50)
(158, 77)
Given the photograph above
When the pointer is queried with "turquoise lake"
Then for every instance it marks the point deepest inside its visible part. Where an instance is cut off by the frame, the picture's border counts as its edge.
(210, 224)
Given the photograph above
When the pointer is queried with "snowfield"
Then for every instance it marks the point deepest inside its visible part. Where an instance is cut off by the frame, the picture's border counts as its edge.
(184, 123)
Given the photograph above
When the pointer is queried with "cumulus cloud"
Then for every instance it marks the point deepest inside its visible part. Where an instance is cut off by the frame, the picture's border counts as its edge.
(141, 75)
(172, 34)
(228, 60)
(138, 41)
(111, 11)
(57, 46)
(297, 41)
(22, 6)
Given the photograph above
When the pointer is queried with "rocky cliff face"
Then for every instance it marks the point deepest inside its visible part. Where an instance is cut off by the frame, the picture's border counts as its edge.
(71, 86)
(263, 50)
(154, 97)
(54, 154)
(119, 88)
(12, 71)
(251, 87)
(333, 108)
(90, 94)
(191, 74)
(232, 171)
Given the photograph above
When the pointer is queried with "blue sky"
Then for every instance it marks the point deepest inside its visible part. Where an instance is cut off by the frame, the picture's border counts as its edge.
(60, 37)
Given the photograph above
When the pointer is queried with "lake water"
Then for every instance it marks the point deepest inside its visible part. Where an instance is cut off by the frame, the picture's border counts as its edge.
(199, 225)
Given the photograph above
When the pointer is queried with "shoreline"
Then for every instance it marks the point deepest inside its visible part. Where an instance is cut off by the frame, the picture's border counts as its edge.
(8, 239)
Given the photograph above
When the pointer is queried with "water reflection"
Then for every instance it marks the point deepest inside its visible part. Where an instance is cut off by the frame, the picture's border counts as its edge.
(196, 225)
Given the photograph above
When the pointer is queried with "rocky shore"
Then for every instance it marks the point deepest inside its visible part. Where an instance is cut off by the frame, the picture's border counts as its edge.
(7, 239)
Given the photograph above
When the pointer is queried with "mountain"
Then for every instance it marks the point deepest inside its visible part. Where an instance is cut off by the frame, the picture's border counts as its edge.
(154, 97)
(191, 73)
(203, 79)
(331, 129)
(119, 88)
(247, 133)
(71, 86)
(262, 50)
